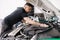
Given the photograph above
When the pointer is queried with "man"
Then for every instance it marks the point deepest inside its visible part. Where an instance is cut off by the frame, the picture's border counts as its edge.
(21, 14)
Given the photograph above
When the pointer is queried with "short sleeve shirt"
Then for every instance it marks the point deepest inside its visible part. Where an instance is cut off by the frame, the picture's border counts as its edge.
(16, 16)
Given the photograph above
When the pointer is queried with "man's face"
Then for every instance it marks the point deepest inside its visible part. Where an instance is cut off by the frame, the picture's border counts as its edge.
(28, 8)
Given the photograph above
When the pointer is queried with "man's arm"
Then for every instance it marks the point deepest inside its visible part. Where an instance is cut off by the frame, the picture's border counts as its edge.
(29, 21)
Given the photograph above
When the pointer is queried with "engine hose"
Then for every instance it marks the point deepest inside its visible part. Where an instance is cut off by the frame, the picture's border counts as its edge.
(48, 29)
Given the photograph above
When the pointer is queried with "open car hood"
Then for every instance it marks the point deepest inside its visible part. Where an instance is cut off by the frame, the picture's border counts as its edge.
(45, 6)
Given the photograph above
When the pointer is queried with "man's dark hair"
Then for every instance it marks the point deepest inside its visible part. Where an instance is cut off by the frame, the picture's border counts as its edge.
(29, 4)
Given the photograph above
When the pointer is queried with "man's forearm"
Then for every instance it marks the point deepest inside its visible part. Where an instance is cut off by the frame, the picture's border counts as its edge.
(29, 21)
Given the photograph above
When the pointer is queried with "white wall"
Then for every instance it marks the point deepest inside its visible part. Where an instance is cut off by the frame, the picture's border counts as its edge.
(8, 6)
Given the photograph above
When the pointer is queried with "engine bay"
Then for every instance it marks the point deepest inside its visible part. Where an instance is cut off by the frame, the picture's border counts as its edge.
(24, 31)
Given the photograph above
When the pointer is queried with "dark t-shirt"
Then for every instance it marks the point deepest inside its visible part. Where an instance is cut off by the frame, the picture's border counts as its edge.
(15, 17)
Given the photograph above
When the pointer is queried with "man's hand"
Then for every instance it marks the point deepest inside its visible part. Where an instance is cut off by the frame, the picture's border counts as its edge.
(43, 25)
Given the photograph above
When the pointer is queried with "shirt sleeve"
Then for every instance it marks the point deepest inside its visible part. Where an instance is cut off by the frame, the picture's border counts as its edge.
(24, 15)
